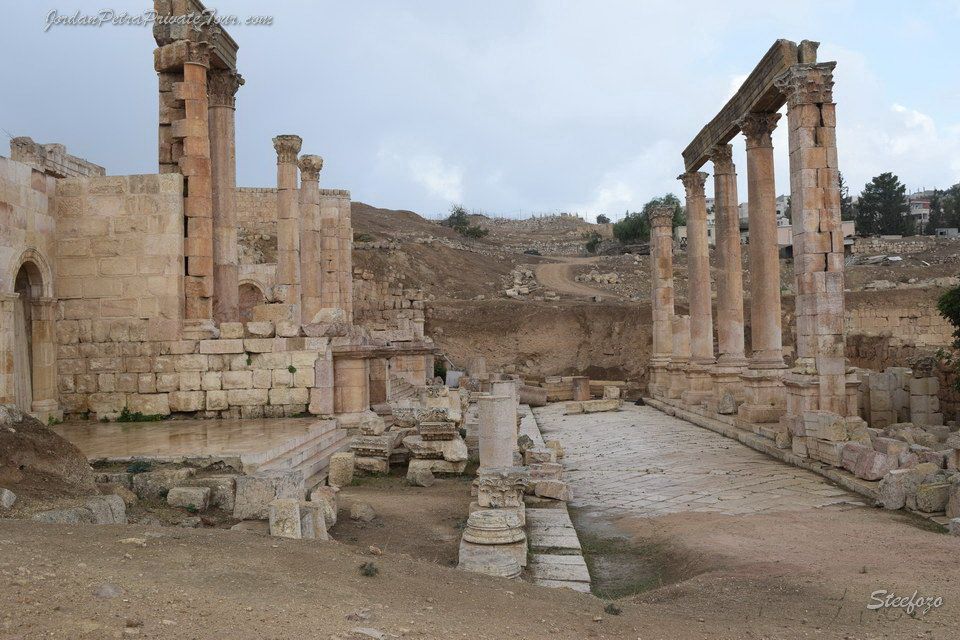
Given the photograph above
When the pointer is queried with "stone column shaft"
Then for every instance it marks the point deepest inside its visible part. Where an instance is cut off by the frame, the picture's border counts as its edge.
(310, 266)
(345, 247)
(44, 365)
(661, 298)
(698, 265)
(287, 288)
(730, 277)
(817, 238)
(222, 88)
(498, 431)
(680, 357)
(764, 251)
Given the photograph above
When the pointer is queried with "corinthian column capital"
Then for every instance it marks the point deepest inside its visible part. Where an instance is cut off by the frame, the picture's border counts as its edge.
(222, 87)
(722, 158)
(310, 167)
(661, 217)
(758, 127)
(287, 147)
(809, 83)
(693, 182)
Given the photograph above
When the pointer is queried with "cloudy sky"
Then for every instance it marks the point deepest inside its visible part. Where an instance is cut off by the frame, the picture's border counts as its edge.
(513, 107)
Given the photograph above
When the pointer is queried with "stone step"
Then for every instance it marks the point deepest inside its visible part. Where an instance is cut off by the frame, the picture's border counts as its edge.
(566, 568)
(303, 450)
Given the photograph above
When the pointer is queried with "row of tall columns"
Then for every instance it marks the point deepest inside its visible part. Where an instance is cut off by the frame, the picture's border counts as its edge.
(761, 387)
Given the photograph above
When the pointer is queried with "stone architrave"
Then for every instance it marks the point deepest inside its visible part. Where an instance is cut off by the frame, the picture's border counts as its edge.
(661, 298)
(764, 394)
(310, 279)
(818, 379)
(699, 381)
(680, 358)
(730, 337)
(222, 87)
(498, 431)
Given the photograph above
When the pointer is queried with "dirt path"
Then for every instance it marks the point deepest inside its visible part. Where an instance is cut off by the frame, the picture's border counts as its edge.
(558, 276)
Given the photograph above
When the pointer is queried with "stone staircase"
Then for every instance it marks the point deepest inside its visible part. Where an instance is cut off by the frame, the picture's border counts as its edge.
(311, 454)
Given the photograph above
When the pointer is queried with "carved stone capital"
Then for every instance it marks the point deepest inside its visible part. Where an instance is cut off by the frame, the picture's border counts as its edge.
(222, 87)
(810, 83)
(310, 167)
(722, 158)
(757, 128)
(287, 147)
(661, 217)
(693, 182)
(198, 53)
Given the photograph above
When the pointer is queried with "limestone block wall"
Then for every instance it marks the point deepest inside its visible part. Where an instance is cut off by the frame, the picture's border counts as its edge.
(912, 244)
(119, 257)
(412, 368)
(248, 372)
(916, 321)
(386, 306)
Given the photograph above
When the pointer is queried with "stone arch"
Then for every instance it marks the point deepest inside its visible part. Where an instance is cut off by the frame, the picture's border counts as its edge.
(32, 336)
(252, 293)
(38, 273)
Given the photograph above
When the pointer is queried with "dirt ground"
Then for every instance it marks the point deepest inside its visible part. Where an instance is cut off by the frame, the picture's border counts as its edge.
(806, 574)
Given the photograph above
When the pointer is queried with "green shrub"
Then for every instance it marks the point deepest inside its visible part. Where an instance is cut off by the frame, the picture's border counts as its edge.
(139, 466)
(369, 570)
(127, 416)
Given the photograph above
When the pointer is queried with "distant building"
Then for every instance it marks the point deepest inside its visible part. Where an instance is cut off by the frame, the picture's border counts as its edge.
(919, 212)
(946, 232)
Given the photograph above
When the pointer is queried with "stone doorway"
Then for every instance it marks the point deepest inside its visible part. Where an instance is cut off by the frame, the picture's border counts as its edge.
(34, 353)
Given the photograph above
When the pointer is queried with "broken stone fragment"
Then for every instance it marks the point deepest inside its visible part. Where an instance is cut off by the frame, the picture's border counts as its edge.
(7, 498)
(896, 486)
(420, 477)
(555, 489)
(340, 472)
(362, 511)
(285, 518)
(932, 497)
(326, 497)
(257, 491)
(154, 485)
(195, 498)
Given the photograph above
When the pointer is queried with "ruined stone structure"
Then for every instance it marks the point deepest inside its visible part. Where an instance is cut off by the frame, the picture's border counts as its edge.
(759, 389)
(126, 293)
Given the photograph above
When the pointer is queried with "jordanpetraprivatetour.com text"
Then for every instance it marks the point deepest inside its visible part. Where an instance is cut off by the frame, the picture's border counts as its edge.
(114, 18)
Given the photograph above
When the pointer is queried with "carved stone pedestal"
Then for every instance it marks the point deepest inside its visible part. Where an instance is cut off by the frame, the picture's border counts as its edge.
(699, 384)
(659, 381)
(726, 385)
(764, 396)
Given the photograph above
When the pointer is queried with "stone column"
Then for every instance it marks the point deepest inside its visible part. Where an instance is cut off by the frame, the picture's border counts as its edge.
(222, 89)
(379, 381)
(581, 388)
(661, 298)
(310, 296)
(329, 226)
(345, 248)
(680, 358)
(351, 378)
(498, 431)
(699, 379)
(731, 360)
(8, 389)
(194, 163)
(764, 395)
(287, 287)
(818, 379)
(44, 365)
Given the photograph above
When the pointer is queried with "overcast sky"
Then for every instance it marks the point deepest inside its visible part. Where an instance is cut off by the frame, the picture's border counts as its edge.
(510, 107)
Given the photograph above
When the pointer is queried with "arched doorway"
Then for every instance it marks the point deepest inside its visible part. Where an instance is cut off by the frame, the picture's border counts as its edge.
(34, 352)
(251, 296)
(26, 287)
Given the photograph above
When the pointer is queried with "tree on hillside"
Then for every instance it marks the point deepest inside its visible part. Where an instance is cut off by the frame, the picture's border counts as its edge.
(635, 226)
(950, 203)
(847, 210)
(602, 219)
(883, 207)
(459, 221)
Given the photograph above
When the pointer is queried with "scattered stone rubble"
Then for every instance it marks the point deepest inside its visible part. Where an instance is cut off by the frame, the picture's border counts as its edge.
(601, 278)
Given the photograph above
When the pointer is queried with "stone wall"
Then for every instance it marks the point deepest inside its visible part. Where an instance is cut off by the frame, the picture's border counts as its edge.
(248, 372)
(119, 264)
(876, 245)
(904, 316)
(386, 307)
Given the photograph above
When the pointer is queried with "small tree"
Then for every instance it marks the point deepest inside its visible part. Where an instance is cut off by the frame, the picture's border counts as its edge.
(935, 221)
(635, 226)
(847, 210)
(949, 307)
(459, 221)
(883, 207)
(602, 219)
(593, 241)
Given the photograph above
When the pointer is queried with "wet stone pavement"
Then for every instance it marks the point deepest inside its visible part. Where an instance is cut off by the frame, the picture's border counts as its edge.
(642, 462)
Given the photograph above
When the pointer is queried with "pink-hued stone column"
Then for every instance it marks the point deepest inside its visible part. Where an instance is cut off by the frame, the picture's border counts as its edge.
(287, 288)
(222, 87)
(819, 377)
(44, 362)
(764, 395)
(680, 358)
(310, 300)
(730, 356)
(699, 381)
(661, 298)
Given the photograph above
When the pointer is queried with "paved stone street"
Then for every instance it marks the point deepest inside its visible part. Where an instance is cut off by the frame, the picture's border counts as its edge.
(648, 463)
